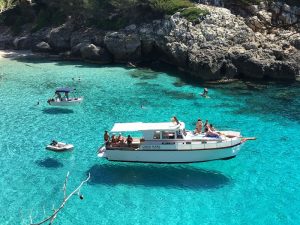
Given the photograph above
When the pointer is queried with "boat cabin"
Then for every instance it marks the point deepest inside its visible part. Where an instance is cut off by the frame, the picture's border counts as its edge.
(150, 132)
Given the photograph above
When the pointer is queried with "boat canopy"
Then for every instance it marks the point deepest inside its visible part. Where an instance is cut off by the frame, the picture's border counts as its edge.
(64, 89)
(139, 126)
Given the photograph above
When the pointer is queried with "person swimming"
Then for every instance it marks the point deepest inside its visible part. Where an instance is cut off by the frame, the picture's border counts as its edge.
(204, 93)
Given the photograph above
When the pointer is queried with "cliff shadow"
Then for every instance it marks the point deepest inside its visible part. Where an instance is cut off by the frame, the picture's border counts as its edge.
(156, 175)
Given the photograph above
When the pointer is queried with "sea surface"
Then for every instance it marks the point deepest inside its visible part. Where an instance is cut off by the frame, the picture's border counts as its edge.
(260, 186)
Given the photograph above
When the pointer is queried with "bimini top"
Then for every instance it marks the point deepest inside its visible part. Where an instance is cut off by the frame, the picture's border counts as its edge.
(64, 89)
(139, 126)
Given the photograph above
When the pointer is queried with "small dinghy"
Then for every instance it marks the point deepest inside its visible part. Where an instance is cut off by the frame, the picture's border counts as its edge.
(65, 100)
(59, 146)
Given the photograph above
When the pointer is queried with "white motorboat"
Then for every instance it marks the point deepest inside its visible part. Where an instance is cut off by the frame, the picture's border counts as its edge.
(59, 146)
(65, 100)
(169, 142)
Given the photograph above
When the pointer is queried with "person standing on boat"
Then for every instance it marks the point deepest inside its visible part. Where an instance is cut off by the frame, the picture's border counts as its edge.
(199, 125)
(129, 140)
(106, 137)
(58, 96)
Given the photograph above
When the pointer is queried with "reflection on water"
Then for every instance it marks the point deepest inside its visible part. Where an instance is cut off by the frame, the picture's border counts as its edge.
(49, 163)
(157, 175)
(55, 111)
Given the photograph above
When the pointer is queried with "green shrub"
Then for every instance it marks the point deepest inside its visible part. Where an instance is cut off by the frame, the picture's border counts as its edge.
(170, 6)
(193, 13)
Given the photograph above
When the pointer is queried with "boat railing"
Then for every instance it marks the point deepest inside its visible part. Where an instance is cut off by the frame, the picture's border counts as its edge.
(136, 142)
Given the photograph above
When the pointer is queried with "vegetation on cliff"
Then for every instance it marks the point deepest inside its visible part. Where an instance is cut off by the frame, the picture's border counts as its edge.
(104, 14)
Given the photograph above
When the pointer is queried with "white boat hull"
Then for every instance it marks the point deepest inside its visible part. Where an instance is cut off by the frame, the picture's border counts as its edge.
(193, 153)
(60, 147)
(70, 102)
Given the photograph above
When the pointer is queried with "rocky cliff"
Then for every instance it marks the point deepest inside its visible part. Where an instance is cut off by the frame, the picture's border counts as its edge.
(220, 45)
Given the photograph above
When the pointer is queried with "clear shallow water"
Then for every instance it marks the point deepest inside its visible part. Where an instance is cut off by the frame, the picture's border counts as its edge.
(259, 186)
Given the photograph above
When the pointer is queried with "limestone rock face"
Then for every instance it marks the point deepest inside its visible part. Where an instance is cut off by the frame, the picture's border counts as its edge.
(42, 47)
(6, 38)
(59, 38)
(92, 52)
(22, 43)
(89, 35)
(216, 46)
(124, 47)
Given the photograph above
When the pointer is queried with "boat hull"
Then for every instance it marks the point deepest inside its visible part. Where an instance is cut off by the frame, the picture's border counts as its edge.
(71, 102)
(60, 147)
(170, 156)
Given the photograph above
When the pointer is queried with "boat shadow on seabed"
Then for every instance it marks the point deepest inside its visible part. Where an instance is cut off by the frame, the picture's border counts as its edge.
(54, 111)
(182, 177)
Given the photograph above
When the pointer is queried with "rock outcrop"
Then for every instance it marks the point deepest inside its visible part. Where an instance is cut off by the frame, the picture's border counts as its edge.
(217, 46)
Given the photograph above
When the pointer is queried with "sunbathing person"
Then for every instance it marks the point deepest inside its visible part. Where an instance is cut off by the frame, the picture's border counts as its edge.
(210, 133)
(212, 127)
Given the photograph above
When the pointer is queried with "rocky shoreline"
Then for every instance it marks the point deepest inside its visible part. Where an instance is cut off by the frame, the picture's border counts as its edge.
(219, 46)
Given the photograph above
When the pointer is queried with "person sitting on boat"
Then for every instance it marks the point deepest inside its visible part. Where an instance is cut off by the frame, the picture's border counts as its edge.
(120, 139)
(54, 143)
(199, 127)
(129, 140)
(114, 139)
(212, 127)
(174, 119)
(206, 123)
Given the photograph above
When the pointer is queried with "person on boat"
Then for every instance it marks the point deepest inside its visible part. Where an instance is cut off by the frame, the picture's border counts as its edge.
(211, 133)
(58, 96)
(54, 143)
(206, 123)
(129, 140)
(67, 95)
(114, 139)
(199, 125)
(174, 119)
(205, 92)
(120, 138)
(106, 136)
(212, 127)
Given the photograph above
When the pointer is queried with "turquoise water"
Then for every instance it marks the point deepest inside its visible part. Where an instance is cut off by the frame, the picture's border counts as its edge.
(259, 186)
